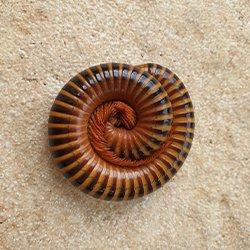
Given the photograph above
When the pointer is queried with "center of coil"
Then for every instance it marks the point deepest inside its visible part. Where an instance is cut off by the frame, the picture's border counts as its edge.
(113, 134)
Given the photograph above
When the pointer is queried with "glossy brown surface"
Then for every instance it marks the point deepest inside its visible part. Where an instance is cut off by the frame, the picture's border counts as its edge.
(118, 132)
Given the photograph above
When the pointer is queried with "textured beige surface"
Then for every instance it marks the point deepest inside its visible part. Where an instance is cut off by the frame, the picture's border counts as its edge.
(44, 43)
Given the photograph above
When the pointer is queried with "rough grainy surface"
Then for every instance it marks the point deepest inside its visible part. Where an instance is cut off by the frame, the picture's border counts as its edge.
(44, 43)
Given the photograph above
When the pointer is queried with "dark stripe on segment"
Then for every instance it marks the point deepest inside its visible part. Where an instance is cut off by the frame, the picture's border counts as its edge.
(170, 156)
(103, 186)
(174, 148)
(125, 71)
(169, 167)
(142, 79)
(186, 144)
(147, 123)
(165, 111)
(79, 181)
(122, 191)
(93, 78)
(74, 170)
(152, 68)
(70, 160)
(59, 120)
(146, 88)
(115, 67)
(97, 74)
(106, 72)
(78, 82)
(156, 180)
(163, 101)
(157, 92)
(158, 70)
(140, 187)
(111, 193)
(150, 138)
(162, 172)
(141, 154)
(149, 184)
(88, 77)
(152, 170)
(72, 91)
(183, 106)
(185, 115)
(153, 95)
(183, 154)
(133, 75)
(112, 190)
(150, 84)
(149, 149)
(178, 163)
(172, 81)
(108, 75)
(185, 124)
(179, 98)
(173, 170)
(186, 134)
(164, 122)
(92, 184)
(137, 90)
(154, 140)
(167, 73)
(178, 89)
(59, 141)
(159, 132)
(131, 155)
(58, 131)
(65, 151)
(131, 194)
(122, 155)
(132, 85)
(66, 99)
(64, 110)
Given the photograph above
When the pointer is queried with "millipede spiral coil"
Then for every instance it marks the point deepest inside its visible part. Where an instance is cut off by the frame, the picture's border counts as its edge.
(119, 131)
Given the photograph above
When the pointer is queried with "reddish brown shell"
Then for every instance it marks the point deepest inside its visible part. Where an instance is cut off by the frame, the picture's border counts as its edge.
(118, 131)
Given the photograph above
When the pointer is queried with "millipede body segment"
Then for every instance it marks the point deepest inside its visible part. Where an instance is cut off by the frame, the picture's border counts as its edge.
(119, 131)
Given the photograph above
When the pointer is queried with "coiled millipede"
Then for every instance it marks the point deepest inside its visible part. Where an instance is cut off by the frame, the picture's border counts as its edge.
(119, 131)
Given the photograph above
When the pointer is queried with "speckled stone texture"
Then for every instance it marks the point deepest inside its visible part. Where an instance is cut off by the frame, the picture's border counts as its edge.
(44, 43)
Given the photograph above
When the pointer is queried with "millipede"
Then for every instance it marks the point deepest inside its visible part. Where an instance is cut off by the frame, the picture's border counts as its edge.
(118, 132)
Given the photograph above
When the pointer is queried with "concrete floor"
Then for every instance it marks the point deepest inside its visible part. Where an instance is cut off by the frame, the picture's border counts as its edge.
(206, 43)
